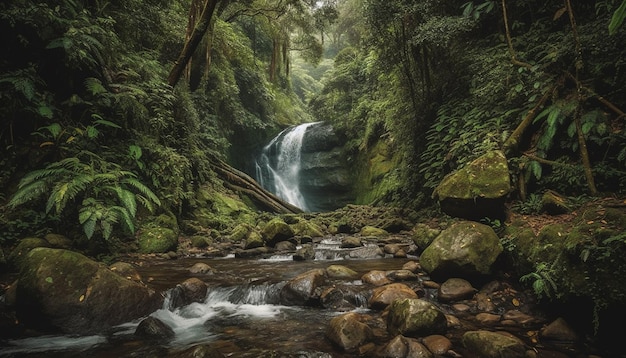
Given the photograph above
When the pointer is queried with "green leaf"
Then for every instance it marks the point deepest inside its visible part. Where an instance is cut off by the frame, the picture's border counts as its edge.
(92, 132)
(535, 169)
(106, 123)
(617, 18)
(45, 111)
(134, 151)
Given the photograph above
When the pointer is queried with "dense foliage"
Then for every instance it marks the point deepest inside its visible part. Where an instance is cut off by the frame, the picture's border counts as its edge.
(444, 83)
(91, 128)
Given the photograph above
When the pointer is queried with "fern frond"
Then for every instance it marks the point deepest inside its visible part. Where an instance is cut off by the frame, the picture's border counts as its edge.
(28, 192)
(62, 193)
(126, 218)
(94, 86)
(126, 197)
(89, 226)
(145, 202)
(143, 189)
(38, 175)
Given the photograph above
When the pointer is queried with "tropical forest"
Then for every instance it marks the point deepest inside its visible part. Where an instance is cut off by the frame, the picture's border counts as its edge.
(313, 179)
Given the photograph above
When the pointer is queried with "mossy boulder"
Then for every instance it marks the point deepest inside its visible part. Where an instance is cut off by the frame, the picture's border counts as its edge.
(15, 258)
(61, 290)
(306, 228)
(373, 231)
(477, 190)
(466, 249)
(157, 240)
(277, 230)
(219, 209)
(414, 317)
(423, 235)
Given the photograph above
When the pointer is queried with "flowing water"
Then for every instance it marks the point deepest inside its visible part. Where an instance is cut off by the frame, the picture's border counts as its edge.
(241, 314)
(278, 167)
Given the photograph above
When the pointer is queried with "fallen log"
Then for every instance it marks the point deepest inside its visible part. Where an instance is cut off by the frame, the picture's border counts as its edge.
(243, 183)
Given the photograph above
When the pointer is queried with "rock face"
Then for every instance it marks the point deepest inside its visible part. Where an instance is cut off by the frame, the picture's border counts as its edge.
(478, 190)
(65, 291)
(466, 249)
(325, 180)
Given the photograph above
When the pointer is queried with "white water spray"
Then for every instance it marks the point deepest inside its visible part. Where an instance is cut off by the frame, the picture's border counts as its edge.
(282, 177)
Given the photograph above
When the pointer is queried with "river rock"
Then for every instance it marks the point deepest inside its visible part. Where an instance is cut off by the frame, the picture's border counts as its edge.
(478, 190)
(200, 268)
(423, 235)
(376, 278)
(373, 231)
(189, 291)
(157, 240)
(125, 270)
(437, 344)
(15, 258)
(405, 347)
(277, 230)
(340, 271)
(154, 329)
(487, 344)
(455, 289)
(558, 330)
(401, 275)
(348, 331)
(306, 228)
(384, 296)
(59, 241)
(415, 317)
(367, 252)
(306, 252)
(301, 290)
(466, 249)
(200, 351)
(65, 291)
(350, 242)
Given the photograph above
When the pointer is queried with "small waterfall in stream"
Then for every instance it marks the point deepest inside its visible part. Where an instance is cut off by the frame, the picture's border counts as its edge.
(278, 167)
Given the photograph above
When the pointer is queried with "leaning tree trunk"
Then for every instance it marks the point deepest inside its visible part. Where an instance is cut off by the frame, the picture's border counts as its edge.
(243, 183)
(194, 40)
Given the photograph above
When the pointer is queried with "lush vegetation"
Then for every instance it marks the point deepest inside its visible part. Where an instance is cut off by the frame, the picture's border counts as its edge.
(116, 114)
(443, 84)
(95, 134)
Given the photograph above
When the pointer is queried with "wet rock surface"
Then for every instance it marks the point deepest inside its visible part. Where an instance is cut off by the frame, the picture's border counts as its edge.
(341, 295)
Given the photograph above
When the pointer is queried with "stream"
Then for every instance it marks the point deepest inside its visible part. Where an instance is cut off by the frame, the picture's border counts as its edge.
(241, 314)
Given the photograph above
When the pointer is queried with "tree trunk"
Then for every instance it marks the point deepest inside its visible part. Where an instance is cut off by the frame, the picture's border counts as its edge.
(241, 182)
(513, 141)
(194, 40)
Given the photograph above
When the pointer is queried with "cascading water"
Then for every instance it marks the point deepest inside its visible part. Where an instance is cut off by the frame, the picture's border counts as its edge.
(278, 167)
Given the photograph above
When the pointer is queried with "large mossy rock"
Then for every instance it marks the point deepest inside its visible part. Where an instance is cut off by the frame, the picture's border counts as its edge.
(16, 257)
(61, 290)
(157, 240)
(466, 249)
(220, 209)
(414, 317)
(477, 190)
(277, 230)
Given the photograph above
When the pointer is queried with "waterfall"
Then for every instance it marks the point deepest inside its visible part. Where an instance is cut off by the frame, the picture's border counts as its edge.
(278, 167)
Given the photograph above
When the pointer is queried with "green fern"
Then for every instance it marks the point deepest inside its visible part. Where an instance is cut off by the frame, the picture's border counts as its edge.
(109, 194)
(541, 280)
